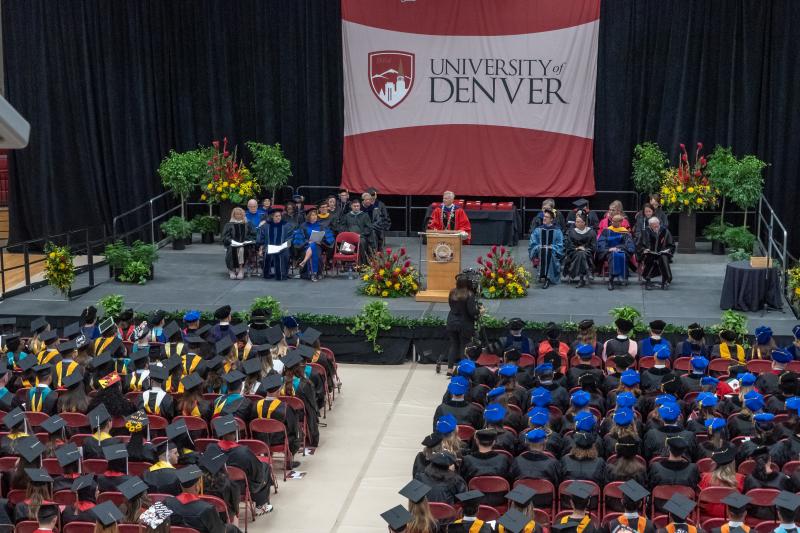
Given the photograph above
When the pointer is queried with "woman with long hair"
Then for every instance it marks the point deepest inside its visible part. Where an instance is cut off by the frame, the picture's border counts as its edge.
(235, 232)
(717, 437)
(583, 461)
(464, 312)
(623, 427)
(422, 520)
(723, 475)
(765, 475)
(706, 404)
(626, 466)
(446, 427)
(37, 493)
(74, 399)
(132, 509)
(615, 209)
(191, 402)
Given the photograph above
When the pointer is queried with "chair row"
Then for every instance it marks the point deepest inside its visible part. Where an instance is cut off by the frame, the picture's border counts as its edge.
(29, 526)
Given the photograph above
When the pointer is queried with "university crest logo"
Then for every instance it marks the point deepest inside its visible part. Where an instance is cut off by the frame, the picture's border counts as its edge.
(391, 76)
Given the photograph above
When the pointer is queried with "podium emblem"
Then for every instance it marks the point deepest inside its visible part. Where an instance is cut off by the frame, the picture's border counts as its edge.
(442, 253)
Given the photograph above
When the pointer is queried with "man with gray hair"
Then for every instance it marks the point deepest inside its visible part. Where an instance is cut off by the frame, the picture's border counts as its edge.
(656, 248)
(378, 214)
(450, 217)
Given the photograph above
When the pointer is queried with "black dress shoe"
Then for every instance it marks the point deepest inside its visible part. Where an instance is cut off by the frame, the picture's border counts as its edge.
(546, 284)
(611, 284)
(664, 286)
(581, 283)
(648, 285)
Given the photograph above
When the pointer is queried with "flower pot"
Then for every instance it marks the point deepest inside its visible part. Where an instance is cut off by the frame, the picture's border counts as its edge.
(207, 237)
(717, 247)
(178, 244)
(152, 274)
(225, 209)
(687, 231)
(188, 240)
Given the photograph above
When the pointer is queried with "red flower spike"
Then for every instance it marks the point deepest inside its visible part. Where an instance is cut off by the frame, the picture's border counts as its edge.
(489, 255)
(404, 271)
(502, 249)
(394, 257)
(500, 272)
(388, 251)
(494, 248)
(480, 260)
(685, 157)
(683, 146)
(703, 161)
(696, 173)
(215, 144)
(407, 264)
(489, 265)
(699, 146)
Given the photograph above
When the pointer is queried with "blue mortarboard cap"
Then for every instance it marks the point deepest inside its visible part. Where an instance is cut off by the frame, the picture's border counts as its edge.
(699, 363)
(290, 322)
(544, 368)
(541, 397)
(191, 316)
(669, 412)
(707, 399)
(748, 379)
(494, 413)
(781, 356)
(763, 334)
(793, 403)
(508, 370)
(539, 416)
(446, 424)
(796, 331)
(630, 378)
(626, 400)
(536, 435)
(754, 401)
(466, 367)
(662, 399)
(458, 386)
(623, 417)
(662, 352)
(715, 424)
(495, 392)
(580, 398)
(764, 418)
(584, 421)
(709, 380)
(585, 351)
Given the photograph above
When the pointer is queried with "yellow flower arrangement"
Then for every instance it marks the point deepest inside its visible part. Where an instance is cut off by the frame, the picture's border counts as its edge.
(685, 187)
(59, 269)
(227, 178)
(389, 275)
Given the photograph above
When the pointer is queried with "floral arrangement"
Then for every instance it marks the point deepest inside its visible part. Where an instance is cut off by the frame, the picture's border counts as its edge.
(501, 277)
(389, 275)
(793, 281)
(686, 188)
(59, 269)
(227, 179)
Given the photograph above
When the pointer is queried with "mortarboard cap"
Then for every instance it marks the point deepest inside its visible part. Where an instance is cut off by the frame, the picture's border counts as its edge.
(177, 429)
(232, 376)
(214, 362)
(83, 482)
(98, 416)
(172, 363)
(222, 312)
(195, 340)
(787, 500)
(37, 475)
(38, 324)
(101, 360)
(521, 494)
(515, 521)
(67, 454)
(48, 336)
(415, 490)
(212, 463)
(272, 382)
(115, 452)
(231, 406)
(202, 330)
(310, 336)
(30, 448)
(397, 517)
(260, 349)
(171, 330)
(106, 325)
(72, 330)
(469, 496)
(224, 425)
(251, 366)
(43, 369)
(306, 352)
(107, 513)
(291, 360)
(66, 347)
(223, 345)
(239, 329)
(27, 362)
(54, 424)
(14, 418)
(158, 373)
(736, 500)
(132, 487)
(634, 490)
(579, 490)
(680, 506)
(189, 474)
(274, 335)
(191, 381)
(138, 355)
(580, 202)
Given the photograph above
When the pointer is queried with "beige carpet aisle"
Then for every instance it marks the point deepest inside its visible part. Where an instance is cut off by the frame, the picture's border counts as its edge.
(366, 452)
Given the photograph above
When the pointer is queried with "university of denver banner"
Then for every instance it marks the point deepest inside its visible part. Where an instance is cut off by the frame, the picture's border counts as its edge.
(482, 97)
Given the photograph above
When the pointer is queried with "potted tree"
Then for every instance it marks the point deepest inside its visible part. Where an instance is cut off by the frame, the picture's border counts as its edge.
(207, 226)
(182, 172)
(749, 182)
(649, 164)
(269, 166)
(177, 229)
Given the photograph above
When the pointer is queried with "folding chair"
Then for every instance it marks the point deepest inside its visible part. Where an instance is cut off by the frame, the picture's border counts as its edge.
(682, 363)
(269, 426)
(261, 450)
(76, 421)
(94, 466)
(158, 497)
(662, 493)
(710, 495)
(298, 405)
(137, 468)
(526, 360)
(690, 397)
(51, 466)
(157, 424)
(353, 239)
(465, 433)
(202, 444)
(443, 512)
(491, 484)
(759, 366)
(133, 397)
(114, 497)
(647, 362)
(720, 366)
(324, 374)
(219, 505)
(710, 523)
(237, 474)
(78, 527)
(15, 496)
(761, 498)
(612, 492)
(35, 418)
(767, 526)
(194, 424)
(564, 499)
(65, 497)
(26, 526)
(594, 361)
(487, 513)
(790, 467)
(706, 464)
(746, 467)
(568, 512)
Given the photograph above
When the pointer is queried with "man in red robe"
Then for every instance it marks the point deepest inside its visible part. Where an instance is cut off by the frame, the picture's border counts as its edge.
(449, 216)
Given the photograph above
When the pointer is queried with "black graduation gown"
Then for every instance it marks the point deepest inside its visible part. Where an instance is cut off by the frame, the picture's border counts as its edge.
(559, 395)
(444, 485)
(668, 472)
(281, 413)
(767, 383)
(574, 374)
(536, 465)
(786, 450)
(507, 441)
(258, 474)
(82, 514)
(162, 481)
(189, 511)
(464, 412)
(586, 469)
(775, 480)
(484, 464)
(306, 393)
(579, 262)
(662, 248)
(224, 489)
(691, 383)
(152, 406)
(462, 526)
(420, 464)
(111, 483)
(484, 376)
(740, 425)
(8, 401)
(42, 399)
(651, 378)
(655, 441)
(633, 524)
(93, 449)
(243, 411)
(64, 482)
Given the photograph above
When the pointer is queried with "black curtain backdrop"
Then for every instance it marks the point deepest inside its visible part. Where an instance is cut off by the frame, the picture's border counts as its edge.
(721, 72)
(110, 87)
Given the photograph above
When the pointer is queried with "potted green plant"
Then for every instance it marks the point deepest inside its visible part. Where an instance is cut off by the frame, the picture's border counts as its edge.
(117, 255)
(177, 229)
(182, 172)
(206, 226)
(739, 238)
(715, 232)
(146, 254)
(649, 164)
(269, 166)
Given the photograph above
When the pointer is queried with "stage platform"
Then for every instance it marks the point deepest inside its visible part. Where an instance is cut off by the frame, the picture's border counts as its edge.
(195, 278)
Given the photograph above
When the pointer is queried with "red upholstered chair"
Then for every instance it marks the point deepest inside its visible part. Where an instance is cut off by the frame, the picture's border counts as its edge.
(79, 527)
(526, 360)
(719, 366)
(220, 505)
(487, 513)
(94, 466)
(564, 500)
(491, 484)
(759, 366)
(761, 498)
(114, 497)
(51, 466)
(157, 424)
(194, 424)
(133, 397)
(488, 359)
(15, 496)
(746, 467)
(594, 361)
(465, 433)
(665, 492)
(26, 526)
(202, 444)
(443, 512)
(710, 523)
(647, 362)
(137, 468)
(790, 467)
(65, 497)
(682, 363)
(691, 396)
(710, 495)
(473, 205)
(608, 517)
(158, 497)
(505, 206)
(767, 526)
(706, 464)
(541, 517)
(36, 418)
(793, 366)
(78, 438)
(490, 206)
(339, 258)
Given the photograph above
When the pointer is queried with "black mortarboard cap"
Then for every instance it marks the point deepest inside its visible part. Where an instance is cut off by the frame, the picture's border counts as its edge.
(787, 500)
(8, 321)
(580, 490)
(132, 487)
(212, 463)
(48, 336)
(680, 506)
(521, 494)
(177, 429)
(82, 482)
(158, 373)
(67, 454)
(139, 417)
(106, 325)
(195, 340)
(172, 363)
(45, 369)
(38, 324)
(214, 362)
(107, 513)
(272, 382)
(115, 452)
(571, 526)
(514, 521)
(14, 418)
(251, 366)
(231, 406)
(101, 360)
(310, 336)
(224, 425)
(54, 424)
(189, 473)
(191, 381)
(239, 329)
(171, 330)
(292, 359)
(634, 490)
(98, 416)
(397, 517)
(202, 330)
(736, 500)
(222, 312)
(27, 362)
(306, 352)
(232, 376)
(415, 490)
(260, 349)
(274, 335)
(138, 355)
(38, 475)
(469, 496)
(72, 330)
(580, 202)
(66, 347)
(223, 345)
(30, 448)
(156, 317)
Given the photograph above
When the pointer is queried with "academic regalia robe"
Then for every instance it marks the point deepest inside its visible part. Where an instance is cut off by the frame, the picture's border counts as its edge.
(275, 265)
(650, 380)
(42, 399)
(224, 489)
(647, 346)
(218, 331)
(444, 485)
(157, 402)
(303, 390)
(620, 239)
(580, 262)
(668, 472)
(257, 472)
(449, 219)
(137, 381)
(655, 441)
(585, 469)
(22, 511)
(464, 412)
(620, 345)
(640, 524)
(236, 257)
(361, 224)
(471, 525)
(189, 510)
(726, 351)
(83, 513)
(8, 401)
(243, 411)
(485, 464)
(537, 465)
(64, 482)
(110, 481)
(661, 249)
(547, 245)
(301, 240)
(275, 409)
(162, 478)
(93, 446)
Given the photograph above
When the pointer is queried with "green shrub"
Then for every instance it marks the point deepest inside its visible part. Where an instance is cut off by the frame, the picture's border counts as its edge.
(373, 319)
(739, 237)
(176, 228)
(649, 164)
(135, 272)
(205, 224)
(117, 254)
(111, 305)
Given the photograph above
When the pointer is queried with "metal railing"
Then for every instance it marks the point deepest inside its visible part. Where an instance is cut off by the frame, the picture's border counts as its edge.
(773, 239)
(144, 218)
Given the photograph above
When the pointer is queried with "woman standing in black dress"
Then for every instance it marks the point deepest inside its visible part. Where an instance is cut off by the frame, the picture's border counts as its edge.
(460, 320)
(580, 247)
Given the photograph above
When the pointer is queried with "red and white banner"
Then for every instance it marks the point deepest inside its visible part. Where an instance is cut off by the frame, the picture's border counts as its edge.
(481, 97)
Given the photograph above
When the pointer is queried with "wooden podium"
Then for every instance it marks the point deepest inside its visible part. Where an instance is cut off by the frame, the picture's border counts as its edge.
(443, 257)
